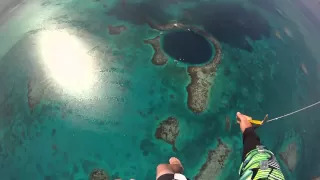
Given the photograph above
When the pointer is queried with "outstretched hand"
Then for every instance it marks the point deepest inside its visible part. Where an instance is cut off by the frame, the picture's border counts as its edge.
(244, 122)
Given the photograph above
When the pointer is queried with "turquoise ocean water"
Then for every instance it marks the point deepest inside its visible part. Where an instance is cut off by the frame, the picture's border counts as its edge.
(74, 97)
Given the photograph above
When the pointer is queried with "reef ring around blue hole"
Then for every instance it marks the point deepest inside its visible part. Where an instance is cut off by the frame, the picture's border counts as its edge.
(187, 46)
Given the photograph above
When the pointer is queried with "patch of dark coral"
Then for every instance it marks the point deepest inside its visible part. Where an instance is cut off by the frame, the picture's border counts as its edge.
(146, 146)
(168, 131)
(115, 30)
(98, 174)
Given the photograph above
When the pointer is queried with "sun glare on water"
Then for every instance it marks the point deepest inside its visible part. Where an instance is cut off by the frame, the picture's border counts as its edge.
(67, 61)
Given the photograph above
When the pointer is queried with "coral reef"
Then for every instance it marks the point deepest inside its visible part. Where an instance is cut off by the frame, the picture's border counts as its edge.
(98, 174)
(215, 162)
(168, 131)
(159, 58)
(291, 150)
(201, 76)
(114, 30)
(289, 156)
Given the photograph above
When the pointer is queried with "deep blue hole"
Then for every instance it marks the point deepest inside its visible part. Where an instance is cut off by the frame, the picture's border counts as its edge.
(187, 46)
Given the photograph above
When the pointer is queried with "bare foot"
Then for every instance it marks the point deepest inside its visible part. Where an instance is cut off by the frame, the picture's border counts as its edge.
(176, 161)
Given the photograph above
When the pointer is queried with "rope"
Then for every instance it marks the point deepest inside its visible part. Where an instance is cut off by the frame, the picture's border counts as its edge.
(280, 117)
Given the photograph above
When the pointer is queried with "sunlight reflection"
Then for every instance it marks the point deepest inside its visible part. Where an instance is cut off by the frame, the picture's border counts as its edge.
(68, 63)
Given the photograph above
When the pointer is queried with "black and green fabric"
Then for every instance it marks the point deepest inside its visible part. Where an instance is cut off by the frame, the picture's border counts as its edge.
(260, 163)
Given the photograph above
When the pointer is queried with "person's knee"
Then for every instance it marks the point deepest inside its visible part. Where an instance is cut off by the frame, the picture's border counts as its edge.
(162, 167)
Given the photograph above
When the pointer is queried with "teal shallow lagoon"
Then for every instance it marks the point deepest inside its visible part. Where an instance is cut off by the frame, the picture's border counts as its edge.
(99, 103)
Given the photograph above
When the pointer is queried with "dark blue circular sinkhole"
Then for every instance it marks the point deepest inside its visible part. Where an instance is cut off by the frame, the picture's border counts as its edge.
(187, 46)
